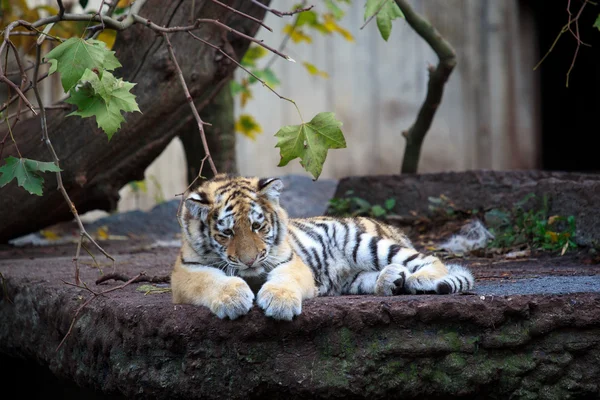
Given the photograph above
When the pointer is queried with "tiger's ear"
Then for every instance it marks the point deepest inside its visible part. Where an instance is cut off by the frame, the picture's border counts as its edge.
(270, 188)
(198, 205)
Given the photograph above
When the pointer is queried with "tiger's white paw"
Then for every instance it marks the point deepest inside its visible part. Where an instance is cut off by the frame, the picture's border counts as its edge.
(391, 280)
(234, 300)
(279, 301)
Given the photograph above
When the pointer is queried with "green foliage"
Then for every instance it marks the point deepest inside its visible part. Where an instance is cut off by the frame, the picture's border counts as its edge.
(310, 142)
(103, 96)
(72, 57)
(352, 206)
(388, 11)
(27, 172)
(441, 206)
(597, 22)
(84, 67)
(531, 226)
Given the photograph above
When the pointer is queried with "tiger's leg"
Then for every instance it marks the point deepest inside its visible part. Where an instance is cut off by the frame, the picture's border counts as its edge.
(225, 296)
(404, 269)
(362, 283)
(286, 287)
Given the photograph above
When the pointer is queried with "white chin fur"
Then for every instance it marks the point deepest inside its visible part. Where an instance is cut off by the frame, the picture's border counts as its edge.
(251, 272)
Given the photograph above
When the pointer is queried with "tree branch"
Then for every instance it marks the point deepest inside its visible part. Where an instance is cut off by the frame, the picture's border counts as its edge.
(190, 101)
(61, 187)
(435, 88)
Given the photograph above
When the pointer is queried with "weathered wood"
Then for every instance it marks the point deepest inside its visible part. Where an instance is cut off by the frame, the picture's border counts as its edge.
(93, 169)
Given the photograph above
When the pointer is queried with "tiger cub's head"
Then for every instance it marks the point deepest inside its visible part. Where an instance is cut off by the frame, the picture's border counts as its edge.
(236, 223)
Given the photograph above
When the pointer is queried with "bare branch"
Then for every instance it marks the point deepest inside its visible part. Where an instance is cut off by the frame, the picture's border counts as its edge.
(280, 13)
(61, 187)
(190, 101)
(89, 300)
(250, 17)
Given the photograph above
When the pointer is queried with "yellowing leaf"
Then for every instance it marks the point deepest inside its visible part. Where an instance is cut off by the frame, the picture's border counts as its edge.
(108, 36)
(297, 35)
(553, 219)
(49, 235)
(553, 236)
(246, 94)
(102, 233)
(247, 126)
(123, 3)
(332, 26)
(314, 70)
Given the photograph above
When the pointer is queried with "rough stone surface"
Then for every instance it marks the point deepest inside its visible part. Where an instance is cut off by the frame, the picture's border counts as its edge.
(568, 193)
(529, 330)
(344, 347)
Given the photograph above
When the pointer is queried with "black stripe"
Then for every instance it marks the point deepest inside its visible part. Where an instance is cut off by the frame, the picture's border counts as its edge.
(313, 234)
(287, 260)
(278, 237)
(466, 282)
(392, 251)
(378, 229)
(409, 259)
(184, 261)
(373, 247)
(317, 259)
(353, 280)
(420, 266)
(303, 250)
(357, 245)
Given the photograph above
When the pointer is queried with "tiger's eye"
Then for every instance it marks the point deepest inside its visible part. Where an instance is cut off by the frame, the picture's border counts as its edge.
(228, 232)
(256, 226)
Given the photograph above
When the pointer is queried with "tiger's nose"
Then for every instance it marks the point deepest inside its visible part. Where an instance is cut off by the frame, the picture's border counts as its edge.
(251, 262)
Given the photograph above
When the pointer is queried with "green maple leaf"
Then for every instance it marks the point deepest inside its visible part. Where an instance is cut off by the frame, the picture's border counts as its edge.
(104, 97)
(72, 57)
(388, 12)
(310, 142)
(27, 173)
(597, 22)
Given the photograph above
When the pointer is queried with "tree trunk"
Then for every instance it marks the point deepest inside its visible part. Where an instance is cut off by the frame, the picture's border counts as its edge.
(220, 136)
(93, 169)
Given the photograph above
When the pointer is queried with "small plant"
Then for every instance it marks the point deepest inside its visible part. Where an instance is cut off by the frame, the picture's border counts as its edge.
(532, 227)
(353, 206)
(442, 206)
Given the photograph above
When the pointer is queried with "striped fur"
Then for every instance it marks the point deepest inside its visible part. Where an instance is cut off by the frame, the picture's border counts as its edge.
(236, 236)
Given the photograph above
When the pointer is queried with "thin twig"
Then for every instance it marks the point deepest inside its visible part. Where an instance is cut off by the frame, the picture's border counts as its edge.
(89, 300)
(286, 38)
(374, 15)
(61, 8)
(190, 101)
(61, 187)
(281, 13)
(567, 28)
(250, 17)
(197, 24)
(245, 69)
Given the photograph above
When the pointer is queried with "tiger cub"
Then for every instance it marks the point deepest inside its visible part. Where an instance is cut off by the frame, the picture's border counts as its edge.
(236, 235)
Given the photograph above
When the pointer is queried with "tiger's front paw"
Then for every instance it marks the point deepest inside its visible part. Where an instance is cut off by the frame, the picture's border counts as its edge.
(234, 299)
(391, 280)
(279, 301)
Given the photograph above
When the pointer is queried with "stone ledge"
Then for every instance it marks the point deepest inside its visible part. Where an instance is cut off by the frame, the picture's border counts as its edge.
(143, 346)
(569, 193)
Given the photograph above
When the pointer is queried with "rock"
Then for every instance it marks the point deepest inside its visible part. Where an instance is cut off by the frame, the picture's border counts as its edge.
(142, 346)
(568, 193)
